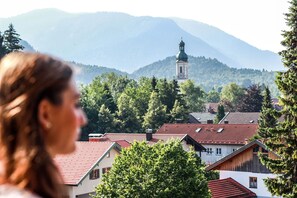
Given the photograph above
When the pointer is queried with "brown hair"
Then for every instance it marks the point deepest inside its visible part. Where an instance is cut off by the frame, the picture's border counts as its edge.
(26, 79)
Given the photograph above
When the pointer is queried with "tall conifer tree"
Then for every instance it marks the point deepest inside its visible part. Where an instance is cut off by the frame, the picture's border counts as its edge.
(12, 40)
(3, 50)
(283, 137)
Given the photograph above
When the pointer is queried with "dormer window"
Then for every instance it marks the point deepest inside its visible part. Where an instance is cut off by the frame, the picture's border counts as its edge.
(220, 130)
(251, 121)
(198, 130)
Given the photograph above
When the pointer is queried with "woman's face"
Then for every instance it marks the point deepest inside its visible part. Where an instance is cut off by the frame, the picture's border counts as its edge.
(65, 121)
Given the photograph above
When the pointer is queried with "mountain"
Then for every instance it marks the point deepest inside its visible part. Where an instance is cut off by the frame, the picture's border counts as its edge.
(240, 51)
(119, 40)
(209, 73)
(84, 74)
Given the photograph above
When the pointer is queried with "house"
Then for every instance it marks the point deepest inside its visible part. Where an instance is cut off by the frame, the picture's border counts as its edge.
(83, 169)
(240, 118)
(202, 117)
(244, 166)
(229, 188)
(150, 138)
(219, 139)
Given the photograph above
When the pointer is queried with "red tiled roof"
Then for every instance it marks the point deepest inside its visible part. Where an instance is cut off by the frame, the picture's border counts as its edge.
(227, 188)
(75, 166)
(123, 143)
(131, 137)
(208, 133)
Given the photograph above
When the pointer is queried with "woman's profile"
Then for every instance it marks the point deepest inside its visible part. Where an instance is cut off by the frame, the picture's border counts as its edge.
(40, 117)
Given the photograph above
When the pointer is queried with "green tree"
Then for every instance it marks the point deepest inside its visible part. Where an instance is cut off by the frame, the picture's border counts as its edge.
(106, 122)
(126, 115)
(221, 114)
(107, 99)
(231, 96)
(12, 40)
(156, 113)
(213, 96)
(251, 100)
(283, 138)
(3, 50)
(179, 114)
(160, 170)
(193, 96)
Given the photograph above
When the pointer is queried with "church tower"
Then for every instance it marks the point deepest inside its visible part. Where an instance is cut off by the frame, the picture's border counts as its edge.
(181, 63)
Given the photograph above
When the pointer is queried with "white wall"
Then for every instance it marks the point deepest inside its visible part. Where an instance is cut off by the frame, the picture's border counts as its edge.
(87, 185)
(213, 157)
(243, 179)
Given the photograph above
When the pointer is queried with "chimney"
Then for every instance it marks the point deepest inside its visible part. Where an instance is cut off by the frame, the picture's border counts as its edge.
(209, 122)
(149, 134)
(226, 122)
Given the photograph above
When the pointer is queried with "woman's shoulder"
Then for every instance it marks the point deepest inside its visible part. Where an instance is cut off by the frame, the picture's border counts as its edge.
(10, 191)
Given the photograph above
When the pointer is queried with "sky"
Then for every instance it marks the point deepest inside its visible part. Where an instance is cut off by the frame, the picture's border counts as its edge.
(258, 22)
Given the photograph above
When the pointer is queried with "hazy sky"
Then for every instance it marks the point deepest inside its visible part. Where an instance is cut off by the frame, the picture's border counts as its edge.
(258, 22)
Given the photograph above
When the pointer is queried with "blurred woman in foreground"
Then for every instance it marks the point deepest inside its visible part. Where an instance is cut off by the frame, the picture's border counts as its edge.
(40, 117)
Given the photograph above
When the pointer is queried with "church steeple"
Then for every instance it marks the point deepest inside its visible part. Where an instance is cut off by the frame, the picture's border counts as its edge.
(182, 63)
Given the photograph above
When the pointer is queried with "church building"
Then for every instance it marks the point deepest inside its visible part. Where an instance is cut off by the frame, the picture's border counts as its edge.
(181, 63)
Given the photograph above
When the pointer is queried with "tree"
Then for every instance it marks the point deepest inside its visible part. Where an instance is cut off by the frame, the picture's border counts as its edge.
(213, 96)
(231, 96)
(3, 50)
(12, 40)
(193, 95)
(126, 115)
(156, 113)
(179, 114)
(283, 138)
(107, 99)
(251, 100)
(221, 114)
(106, 122)
(160, 170)
(267, 118)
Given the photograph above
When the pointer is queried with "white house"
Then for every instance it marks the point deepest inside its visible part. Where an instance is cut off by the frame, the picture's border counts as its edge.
(219, 139)
(83, 169)
(245, 167)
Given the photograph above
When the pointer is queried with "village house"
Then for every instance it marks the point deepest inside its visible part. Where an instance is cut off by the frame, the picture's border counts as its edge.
(201, 118)
(219, 139)
(82, 170)
(244, 167)
(240, 118)
(124, 138)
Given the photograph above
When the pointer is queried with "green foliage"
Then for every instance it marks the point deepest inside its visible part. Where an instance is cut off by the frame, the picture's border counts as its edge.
(12, 40)
(282, 138)
(231, 96)
(213, 96)
(161, 170)
(193, 96)
(106, 121)
(221, 114)
(209, 73)
(251, 100)
(179, 113)
(127, 119)
(156, 113)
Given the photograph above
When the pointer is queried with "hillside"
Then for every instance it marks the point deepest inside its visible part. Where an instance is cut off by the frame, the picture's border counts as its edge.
(84, 74)
(126, 42)
(208, 73)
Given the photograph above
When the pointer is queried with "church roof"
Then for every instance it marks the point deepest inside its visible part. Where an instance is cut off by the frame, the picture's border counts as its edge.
(182, 56)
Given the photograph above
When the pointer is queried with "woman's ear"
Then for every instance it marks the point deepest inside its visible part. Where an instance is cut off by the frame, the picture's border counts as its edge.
(44, 113)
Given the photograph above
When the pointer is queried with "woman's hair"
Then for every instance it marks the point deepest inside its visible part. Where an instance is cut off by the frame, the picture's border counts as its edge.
(26, 79)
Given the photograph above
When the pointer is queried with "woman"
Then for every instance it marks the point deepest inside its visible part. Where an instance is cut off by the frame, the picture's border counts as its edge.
(40, 117)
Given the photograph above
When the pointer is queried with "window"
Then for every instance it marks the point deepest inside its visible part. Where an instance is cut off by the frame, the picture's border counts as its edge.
(198, 130)
(105, 170)
(253, 182)
(220, 130)
(218, 151)
(256, 149)
(94, 174)
(208, 151)
(180, 70)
